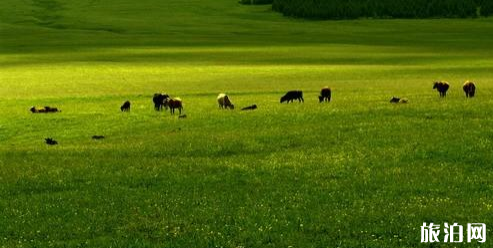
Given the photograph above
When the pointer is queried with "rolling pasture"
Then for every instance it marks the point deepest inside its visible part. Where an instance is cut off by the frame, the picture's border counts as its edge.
(357, 172)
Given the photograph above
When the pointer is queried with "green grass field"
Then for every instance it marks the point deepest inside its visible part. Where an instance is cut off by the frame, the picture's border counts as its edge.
(358, 172)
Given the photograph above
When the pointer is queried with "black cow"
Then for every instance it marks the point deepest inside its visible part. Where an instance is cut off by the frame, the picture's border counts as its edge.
(395, 100)
(251, 107)
(325, 95)
(399, 100)
(51, 141)
(46, 109)
(125, 107)
(441, 87)
(159, 100)
(293, 95)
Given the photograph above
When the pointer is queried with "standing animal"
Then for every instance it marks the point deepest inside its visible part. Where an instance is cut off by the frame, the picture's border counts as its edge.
(51, 141)
(174, 103)
(293, 95)
(325, 95)
(224, 101)
(441, 87)
(158, 100)
(125, 107)
(251, 107)
(469, 88)
(45, 109)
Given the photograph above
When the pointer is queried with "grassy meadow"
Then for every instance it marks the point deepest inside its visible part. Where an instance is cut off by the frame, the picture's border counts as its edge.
(357, 172)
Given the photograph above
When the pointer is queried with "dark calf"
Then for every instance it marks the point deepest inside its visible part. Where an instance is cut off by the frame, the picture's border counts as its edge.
(251, 107)
(51, 141)
(45, 109)
(395, 100)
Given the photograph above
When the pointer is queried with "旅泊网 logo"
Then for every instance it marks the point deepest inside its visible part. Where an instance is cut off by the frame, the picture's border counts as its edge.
(454, 233)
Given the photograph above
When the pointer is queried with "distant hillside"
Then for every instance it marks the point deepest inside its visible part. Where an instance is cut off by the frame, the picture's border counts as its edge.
(344, 9)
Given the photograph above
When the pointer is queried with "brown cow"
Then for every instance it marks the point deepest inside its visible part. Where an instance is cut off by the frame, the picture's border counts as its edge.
(174, 103)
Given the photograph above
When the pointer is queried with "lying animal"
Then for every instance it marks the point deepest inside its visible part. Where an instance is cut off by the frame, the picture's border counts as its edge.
(251, 107)
(395, 100)
(441, 87)
(51, 141)
(325, 95)
(293, 95)
(182, 116)
(224, 101)
(159, 100)
(469, 88)
(45, 109)
(174, 103)
(398, 100)
(97, 137)
(125, 107)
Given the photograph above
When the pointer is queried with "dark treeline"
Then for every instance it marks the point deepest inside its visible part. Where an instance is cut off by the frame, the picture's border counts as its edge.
(256, 1)
(350, 9)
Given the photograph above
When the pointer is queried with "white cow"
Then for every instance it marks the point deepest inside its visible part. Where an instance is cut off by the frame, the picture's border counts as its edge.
(224, 101)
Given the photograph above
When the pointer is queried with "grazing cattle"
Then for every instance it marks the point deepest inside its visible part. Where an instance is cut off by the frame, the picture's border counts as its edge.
(293, 95)
(441, 87)
(125, 107)
(398, 100)
(174, 103)
(45, 109)
(251, 107)
(51, 141)
(325, 95)
(224, 102)
(469, 88)
(97, 137)
(158, 100)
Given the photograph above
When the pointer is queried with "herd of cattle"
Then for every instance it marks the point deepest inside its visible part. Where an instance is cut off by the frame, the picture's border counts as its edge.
(164, 101)
(442, 88)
